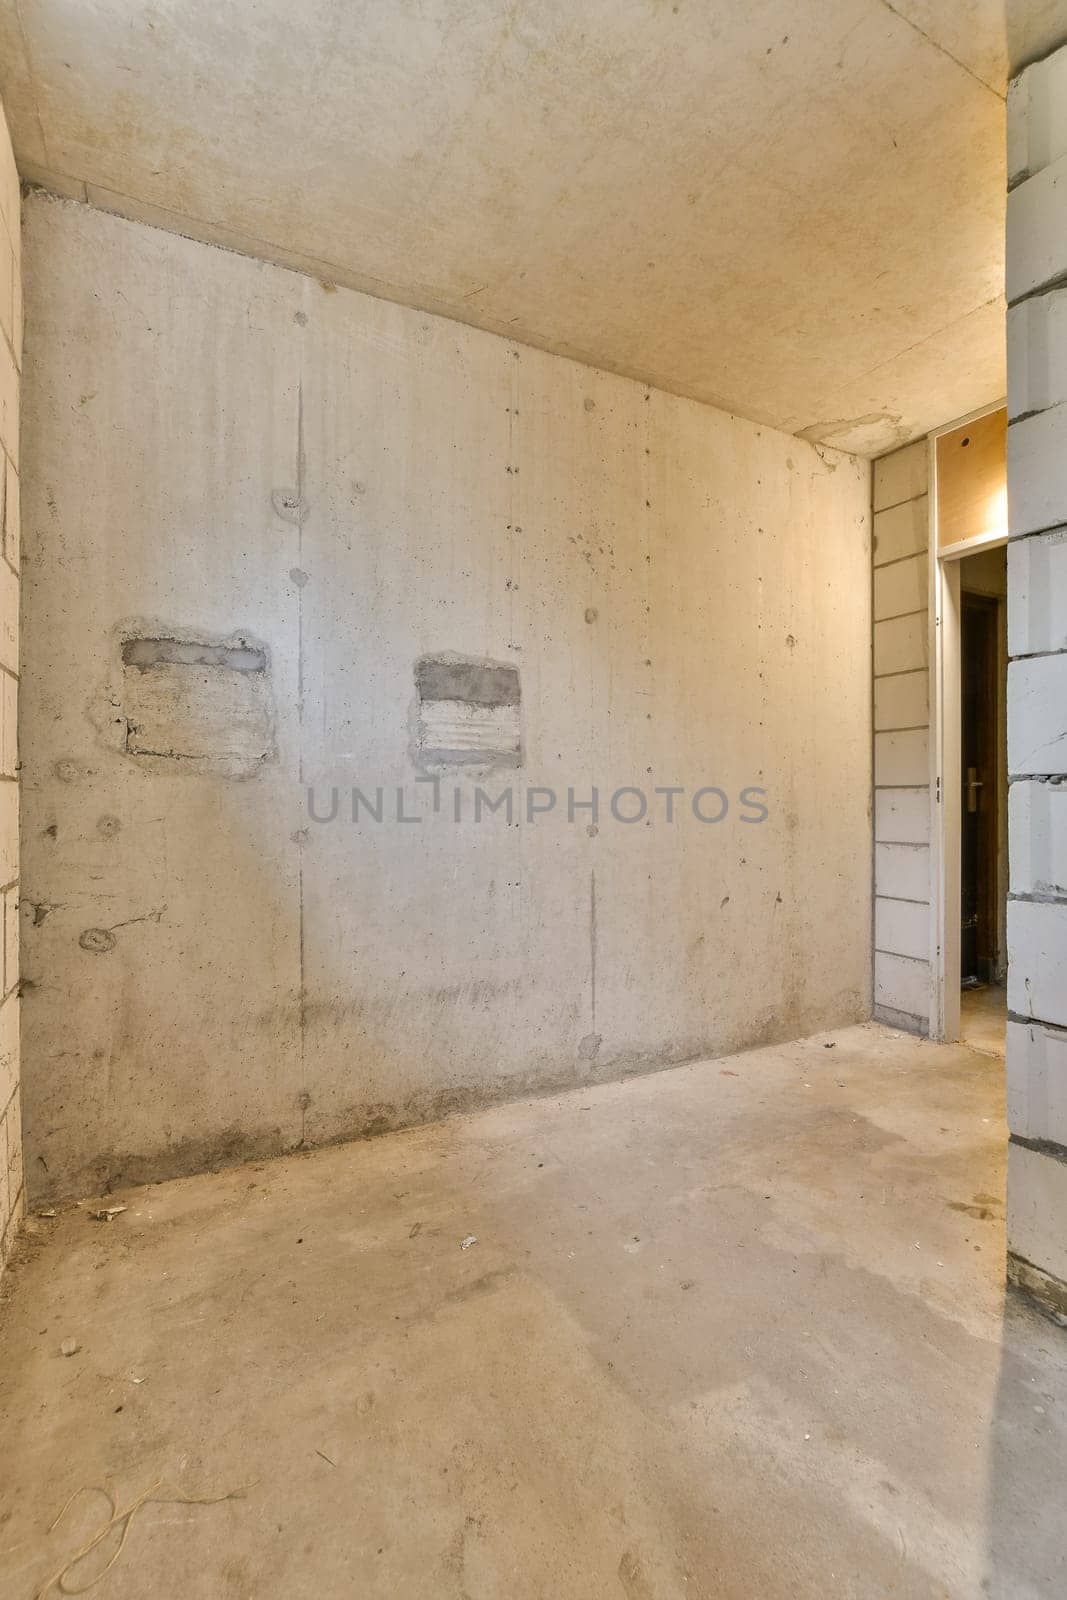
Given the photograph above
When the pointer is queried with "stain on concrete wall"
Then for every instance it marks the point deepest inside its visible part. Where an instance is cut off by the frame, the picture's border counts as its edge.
(610, 592)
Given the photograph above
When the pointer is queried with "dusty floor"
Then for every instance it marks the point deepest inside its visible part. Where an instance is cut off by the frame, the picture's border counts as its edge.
(735, 1330)
(984, 1017)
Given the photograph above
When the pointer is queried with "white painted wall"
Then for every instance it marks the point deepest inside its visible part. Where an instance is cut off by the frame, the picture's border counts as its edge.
(11, 1164)
(221, 447)
(1037, 681)
(902, 917)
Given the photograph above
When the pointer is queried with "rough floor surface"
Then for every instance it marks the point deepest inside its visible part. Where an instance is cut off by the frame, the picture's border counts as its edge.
(984, 1018)
(734, 1331)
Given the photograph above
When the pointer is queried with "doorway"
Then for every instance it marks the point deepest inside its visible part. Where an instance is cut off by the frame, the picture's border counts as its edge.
(970, 746)
(983, 798)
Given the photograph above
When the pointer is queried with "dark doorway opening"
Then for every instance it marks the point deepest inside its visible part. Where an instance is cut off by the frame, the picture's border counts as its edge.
(983, 809)
(979, 844)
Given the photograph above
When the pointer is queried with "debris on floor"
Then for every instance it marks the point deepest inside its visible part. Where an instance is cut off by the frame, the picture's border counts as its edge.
(118, 1521)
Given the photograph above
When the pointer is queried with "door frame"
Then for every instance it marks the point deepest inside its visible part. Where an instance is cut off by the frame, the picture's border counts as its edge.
(946, 767)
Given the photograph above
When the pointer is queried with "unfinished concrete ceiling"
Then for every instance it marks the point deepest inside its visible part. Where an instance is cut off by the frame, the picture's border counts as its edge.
(789, 208)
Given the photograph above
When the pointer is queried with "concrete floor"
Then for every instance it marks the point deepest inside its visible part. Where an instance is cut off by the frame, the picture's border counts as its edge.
(736, 1330)
(984, 1018)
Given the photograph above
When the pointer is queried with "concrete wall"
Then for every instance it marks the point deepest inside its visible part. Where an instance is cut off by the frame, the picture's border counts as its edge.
(1037, 679)
(11, 1165)
(255, 505)
(902, 959)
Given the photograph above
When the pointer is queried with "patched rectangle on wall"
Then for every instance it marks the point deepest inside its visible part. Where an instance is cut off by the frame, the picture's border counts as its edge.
(468, 713)
(197, 704)
(145, 653)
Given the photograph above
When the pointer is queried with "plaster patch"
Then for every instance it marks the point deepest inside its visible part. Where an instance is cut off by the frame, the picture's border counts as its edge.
(184, 701)
(467, 713)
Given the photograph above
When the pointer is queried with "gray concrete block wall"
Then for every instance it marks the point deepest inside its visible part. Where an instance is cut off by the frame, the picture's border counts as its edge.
(1037, 680)
(11, 1164)
(902, 964)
